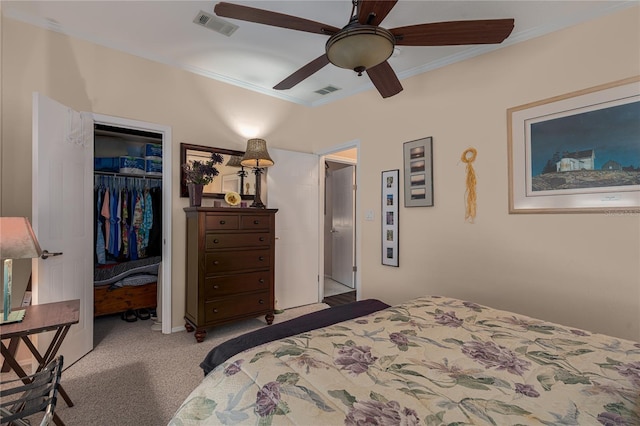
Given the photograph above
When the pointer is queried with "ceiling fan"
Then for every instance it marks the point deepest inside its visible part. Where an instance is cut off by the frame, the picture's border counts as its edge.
(363, 46)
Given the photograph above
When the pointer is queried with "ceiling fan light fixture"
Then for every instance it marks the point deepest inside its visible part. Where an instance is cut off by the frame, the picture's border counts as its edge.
(360, 47)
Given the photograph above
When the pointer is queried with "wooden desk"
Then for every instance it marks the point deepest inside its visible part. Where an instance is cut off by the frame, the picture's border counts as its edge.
(58, 316)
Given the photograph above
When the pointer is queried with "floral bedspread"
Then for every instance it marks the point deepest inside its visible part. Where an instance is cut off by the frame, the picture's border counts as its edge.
(430, 361)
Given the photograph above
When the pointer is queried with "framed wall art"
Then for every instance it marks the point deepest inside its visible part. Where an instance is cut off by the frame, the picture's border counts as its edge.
(390, 198)
(577, 153)
(418, 173)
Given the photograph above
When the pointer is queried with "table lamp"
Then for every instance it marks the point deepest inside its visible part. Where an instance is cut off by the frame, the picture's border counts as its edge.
(257, 157)
(234, 161)
(17, 241)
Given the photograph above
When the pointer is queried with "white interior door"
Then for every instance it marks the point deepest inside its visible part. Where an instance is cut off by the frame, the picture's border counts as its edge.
(62, 206)
(342, 229)
(293, 188)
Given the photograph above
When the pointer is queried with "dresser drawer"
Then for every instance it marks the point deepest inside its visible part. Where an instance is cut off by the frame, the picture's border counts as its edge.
(212, 221)
(236, 306)
(254, 222)
(236, 260)
(223, 241)
(232, 284)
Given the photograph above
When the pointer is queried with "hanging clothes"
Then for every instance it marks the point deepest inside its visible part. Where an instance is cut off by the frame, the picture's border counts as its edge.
(126, 216)
(155, 233)
(106, 215)
(99, 228)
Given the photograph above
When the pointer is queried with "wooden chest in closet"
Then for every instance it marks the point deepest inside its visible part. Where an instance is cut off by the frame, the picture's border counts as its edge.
(230, 257)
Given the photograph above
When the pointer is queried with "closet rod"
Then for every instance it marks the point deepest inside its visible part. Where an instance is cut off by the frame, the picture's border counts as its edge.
(115, 174)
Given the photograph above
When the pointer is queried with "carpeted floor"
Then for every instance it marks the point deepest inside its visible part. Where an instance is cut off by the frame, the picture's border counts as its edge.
(135, 376)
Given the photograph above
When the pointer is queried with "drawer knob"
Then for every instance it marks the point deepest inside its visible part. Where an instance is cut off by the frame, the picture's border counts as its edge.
(216, 241)
(261, 302)
(261, 238)
(261, 280)
(256, 222)
(222, 222)
(261, 258)
(215, 262)
(215, 311)
(215, 287)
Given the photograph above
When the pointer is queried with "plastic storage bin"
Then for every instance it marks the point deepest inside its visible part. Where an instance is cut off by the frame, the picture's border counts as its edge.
(106, 164)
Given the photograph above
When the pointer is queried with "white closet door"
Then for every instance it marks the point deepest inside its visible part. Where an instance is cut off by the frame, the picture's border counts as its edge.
(293, 188)
(62, 212)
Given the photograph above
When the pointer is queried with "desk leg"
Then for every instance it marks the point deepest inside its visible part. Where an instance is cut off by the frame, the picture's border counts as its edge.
(50, 355)
(9, 359)
(13, 348)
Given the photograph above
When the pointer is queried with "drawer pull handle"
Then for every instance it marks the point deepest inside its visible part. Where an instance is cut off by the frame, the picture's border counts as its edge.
(215, 262)
(261, 280)
(261, 302)
(215, 287)
(261, 239)
(256, 222)
(261, 258)
(215, 311)
(216, 241)
(222, 222)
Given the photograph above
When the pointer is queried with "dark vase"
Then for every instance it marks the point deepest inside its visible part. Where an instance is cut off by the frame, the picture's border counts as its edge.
(195, 194)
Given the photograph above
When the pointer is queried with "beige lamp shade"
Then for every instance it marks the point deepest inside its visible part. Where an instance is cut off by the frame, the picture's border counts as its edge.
(256, 154)
(17, 239)
(234, 161)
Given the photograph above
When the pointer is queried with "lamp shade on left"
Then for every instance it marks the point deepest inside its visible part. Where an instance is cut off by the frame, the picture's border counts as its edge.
(17, 239)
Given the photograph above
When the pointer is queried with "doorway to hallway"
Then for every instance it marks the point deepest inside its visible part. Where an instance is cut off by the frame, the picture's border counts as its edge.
(339, 228)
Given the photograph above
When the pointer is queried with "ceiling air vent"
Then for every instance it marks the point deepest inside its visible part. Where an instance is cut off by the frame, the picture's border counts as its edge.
(214, 23)
(326, 90)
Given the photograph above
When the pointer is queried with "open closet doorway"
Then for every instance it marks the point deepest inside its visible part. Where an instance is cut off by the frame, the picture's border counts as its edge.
(132, 159)
(340, 264)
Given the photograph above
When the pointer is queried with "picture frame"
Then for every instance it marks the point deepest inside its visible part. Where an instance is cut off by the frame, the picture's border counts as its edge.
(390, 220)
(577, 153)
(231, 182)
(418, 172)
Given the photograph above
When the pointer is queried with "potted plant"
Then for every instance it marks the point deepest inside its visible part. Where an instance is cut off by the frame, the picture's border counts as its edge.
(197, 174)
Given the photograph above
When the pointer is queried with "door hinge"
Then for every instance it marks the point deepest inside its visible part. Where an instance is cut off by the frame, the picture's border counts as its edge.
(355, 187)
(355, 269)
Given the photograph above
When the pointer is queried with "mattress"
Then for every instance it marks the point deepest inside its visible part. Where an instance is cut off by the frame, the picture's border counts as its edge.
(134, 272)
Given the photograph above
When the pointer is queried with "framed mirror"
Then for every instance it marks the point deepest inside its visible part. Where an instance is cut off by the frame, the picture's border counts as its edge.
(229, 177)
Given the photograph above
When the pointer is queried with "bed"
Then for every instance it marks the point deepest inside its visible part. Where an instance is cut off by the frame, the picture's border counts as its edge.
(429, 361)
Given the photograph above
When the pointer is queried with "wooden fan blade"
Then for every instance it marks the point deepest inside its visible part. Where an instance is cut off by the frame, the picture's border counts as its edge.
(487, 31)
(385, 79)
(275, 19)
(304, 72)
(373, 12)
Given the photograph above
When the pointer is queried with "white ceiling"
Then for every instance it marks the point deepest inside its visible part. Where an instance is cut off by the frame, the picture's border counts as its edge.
(257, 57)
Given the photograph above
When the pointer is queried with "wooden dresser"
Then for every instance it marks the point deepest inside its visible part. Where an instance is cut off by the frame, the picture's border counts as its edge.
(230, 266)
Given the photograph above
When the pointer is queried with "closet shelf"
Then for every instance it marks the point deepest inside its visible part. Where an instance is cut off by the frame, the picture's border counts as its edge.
(128, 175)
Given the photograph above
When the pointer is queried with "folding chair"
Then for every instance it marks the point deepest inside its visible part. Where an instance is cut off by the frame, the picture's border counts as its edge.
(37, 392)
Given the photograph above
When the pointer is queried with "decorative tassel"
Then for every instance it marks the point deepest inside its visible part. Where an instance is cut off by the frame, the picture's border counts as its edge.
(468, 157)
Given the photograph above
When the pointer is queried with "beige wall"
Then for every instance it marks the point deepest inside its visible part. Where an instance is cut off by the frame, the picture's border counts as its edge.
(585, 279)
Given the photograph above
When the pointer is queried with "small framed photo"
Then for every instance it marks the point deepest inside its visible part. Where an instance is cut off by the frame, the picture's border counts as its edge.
(390, 195)
(418, 173)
